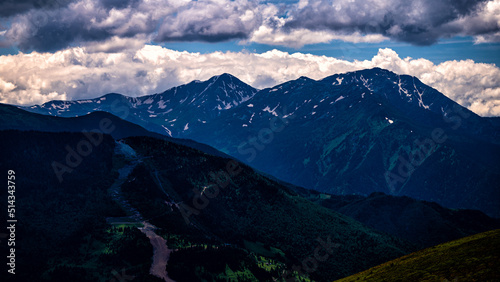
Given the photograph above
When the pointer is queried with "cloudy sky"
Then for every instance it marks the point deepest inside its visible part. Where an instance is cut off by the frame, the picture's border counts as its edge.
(77, 49)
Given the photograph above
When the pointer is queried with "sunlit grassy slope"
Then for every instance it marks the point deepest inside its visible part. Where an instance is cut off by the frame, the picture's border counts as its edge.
(473, 258)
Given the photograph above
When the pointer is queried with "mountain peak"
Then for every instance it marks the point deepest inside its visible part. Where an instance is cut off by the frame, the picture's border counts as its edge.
(221, 77)
(112, 95)
(305, 78)
(226, 76)
(376, 71)
(227, 91)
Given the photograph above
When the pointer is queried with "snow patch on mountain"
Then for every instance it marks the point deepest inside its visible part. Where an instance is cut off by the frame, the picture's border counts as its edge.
(290, 114)
(420, 102)
(135, 102)
(225, 106)
(273, 111)
(246, 98)
(148, 101)
(167, 130)
(365, 83)
(161, 104)
(83, 102)
(401, 89)
(62, 106)
(338, 99)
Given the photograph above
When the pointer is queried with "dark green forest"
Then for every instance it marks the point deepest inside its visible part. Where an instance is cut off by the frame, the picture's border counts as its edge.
(251, 208)
(62, 234)
(223, 220)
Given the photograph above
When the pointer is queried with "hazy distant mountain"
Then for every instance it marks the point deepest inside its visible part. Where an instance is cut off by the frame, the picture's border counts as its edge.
(352, 133)
(425, 224)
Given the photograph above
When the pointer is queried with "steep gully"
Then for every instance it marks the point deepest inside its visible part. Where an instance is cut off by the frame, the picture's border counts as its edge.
(161, 252)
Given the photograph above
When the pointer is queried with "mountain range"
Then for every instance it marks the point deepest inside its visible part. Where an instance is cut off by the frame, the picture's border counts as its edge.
(310, 180)
(252, 226)
(354, 133)
(169, 113)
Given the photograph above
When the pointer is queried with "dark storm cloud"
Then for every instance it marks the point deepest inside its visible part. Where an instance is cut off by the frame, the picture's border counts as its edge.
(53, 36)
(118, 4)
(51, 30)
(420, 22)
(13, 7)
(211, 22)
(49, 25)
(201, 35)
(45, 29)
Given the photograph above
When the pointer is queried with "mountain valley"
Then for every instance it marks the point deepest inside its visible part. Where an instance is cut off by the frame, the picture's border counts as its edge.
(309, 180)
